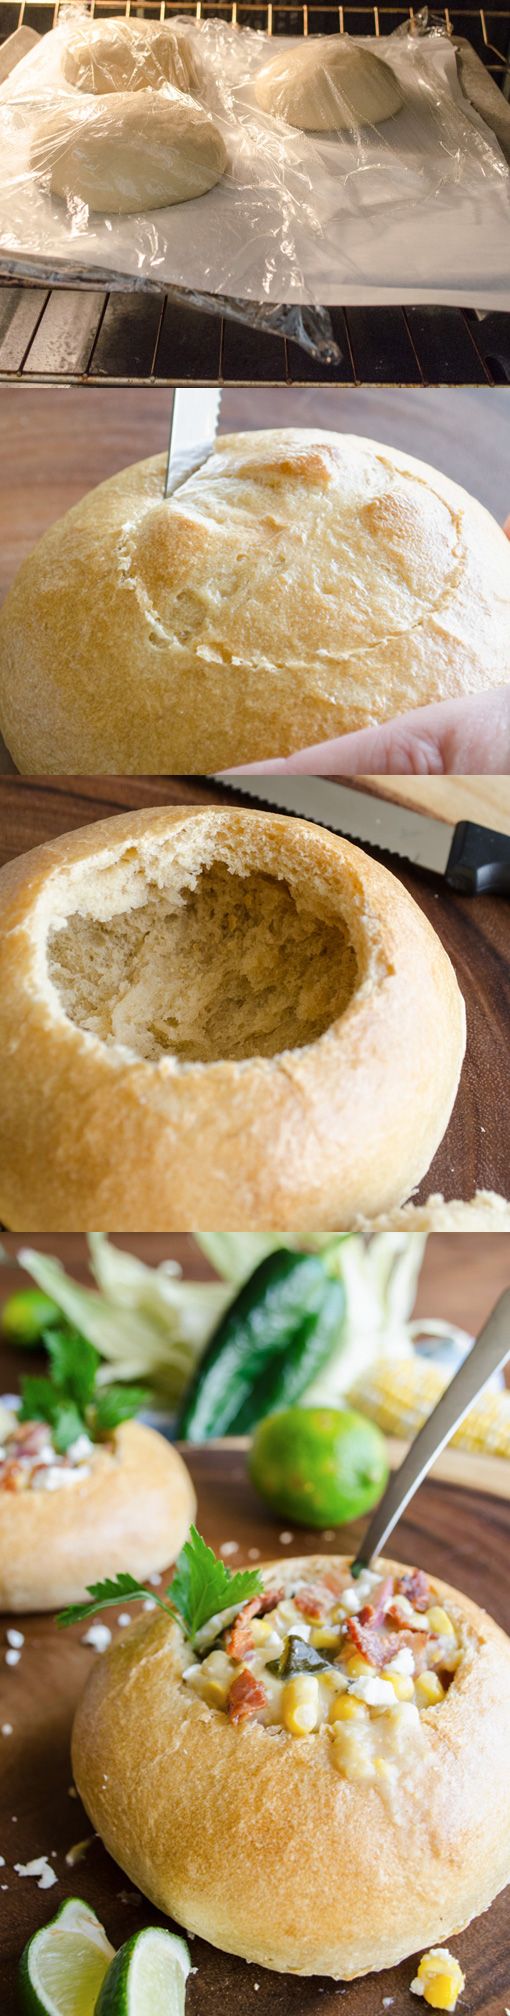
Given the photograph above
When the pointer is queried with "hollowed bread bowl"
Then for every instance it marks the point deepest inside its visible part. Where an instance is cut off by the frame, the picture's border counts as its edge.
(131, 1512)
(253, 1840)
(216, 1017)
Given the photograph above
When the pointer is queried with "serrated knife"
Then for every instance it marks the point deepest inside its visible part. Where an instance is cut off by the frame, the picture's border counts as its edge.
(193, 429)
(469, 858)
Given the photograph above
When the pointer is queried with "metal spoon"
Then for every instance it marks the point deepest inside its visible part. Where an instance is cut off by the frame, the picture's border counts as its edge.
(487, 1355)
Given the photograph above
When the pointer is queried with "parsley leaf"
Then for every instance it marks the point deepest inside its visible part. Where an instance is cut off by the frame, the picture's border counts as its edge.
(202, 1585)
(42, 1401)
(114, 1589)
(74, 1364)
(113, 1404)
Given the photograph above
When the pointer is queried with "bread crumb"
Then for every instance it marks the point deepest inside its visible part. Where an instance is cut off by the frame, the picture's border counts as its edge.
(78, 1852)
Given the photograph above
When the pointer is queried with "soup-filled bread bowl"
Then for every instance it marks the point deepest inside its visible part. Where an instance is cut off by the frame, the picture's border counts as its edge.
(325, 1791)
(66, 1520)
(216, 1017)
(298, 584)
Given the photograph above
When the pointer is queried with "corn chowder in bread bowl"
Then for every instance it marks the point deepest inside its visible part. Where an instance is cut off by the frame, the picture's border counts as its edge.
(216, 1017)
(319, 1779)
(67, 1516)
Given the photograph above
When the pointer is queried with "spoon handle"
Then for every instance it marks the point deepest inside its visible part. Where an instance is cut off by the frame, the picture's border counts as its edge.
(487, 1355)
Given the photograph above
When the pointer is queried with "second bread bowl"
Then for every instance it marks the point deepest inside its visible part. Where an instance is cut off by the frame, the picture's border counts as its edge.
(216, 1017)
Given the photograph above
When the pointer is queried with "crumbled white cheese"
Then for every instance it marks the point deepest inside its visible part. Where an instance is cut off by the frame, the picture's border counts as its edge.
(403, 1662)
(2, 1861)
(285, 1539)
(349, 1601)
(301, 1631)
(39, 1867)
(154, 1581)
(7, 1729)
(124, 1619)
(12, 1657)
(377, 1693)
(99, 1636)
(15, 1638)
(150, 1603)
(80, 1449)
(58, 1476)
(229, 1547)
(254, 1553)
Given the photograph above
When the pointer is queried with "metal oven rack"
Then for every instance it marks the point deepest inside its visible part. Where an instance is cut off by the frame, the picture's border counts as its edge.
(85, 334)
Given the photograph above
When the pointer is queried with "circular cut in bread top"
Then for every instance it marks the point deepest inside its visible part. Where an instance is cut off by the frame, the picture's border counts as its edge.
(298, 585)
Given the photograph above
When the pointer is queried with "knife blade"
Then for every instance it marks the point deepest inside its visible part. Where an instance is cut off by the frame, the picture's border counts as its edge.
(193, 429)
(469, 857)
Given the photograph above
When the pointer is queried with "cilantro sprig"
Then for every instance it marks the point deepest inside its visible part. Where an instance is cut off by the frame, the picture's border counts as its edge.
(202, 1587)
(69, 1399)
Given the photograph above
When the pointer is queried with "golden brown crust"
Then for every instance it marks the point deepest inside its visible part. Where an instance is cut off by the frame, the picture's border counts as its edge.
(92, 1135)
(300, 584)
(254, 1841)
(131, 1513)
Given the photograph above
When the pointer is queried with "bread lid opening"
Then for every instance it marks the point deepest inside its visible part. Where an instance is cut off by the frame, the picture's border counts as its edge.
(197, 954)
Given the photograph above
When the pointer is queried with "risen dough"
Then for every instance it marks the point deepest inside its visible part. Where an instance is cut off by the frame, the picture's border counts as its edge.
(121, 55)
(132, 151)
(328, 82)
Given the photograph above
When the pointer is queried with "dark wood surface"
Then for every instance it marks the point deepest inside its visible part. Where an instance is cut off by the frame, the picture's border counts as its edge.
(475, 1153)
(448, 1531)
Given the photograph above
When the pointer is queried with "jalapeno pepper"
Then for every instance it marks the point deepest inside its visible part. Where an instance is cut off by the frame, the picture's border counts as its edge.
(273, 1341)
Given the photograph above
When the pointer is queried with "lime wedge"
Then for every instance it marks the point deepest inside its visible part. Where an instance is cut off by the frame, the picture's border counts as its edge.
(148, 1977)
(63, 1967)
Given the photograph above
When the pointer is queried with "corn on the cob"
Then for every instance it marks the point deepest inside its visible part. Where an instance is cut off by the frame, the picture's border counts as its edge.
(399, 1396)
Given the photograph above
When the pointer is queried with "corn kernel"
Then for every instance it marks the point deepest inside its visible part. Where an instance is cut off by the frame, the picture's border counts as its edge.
(345, 1709)
(402, 1685)
(300, 1704)
(334, 1679)
(438, 1621)
(261, 1628)
(213, 1693)
(357, 1666)
(324, 1638)
(439, 1979)
(429, 1689)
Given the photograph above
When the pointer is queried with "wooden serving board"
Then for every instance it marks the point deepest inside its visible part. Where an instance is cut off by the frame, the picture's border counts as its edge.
(475, 1153)
(447, 1530)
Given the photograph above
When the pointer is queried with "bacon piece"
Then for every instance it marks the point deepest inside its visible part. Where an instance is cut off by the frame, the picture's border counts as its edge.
(398, 1618)
(416, 1587)
(246, 1697)
(314, 1601)
(376, 1646)
(335, 1581)
(239, 1639)
(30, 1437)
(373, 1613)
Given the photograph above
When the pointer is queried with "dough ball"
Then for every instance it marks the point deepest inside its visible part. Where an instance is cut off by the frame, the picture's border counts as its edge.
(136, 151)
(119, 55)
(328, 82)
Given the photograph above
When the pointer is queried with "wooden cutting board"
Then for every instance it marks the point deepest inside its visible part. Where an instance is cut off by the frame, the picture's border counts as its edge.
(475, 1153)
(448, 1530)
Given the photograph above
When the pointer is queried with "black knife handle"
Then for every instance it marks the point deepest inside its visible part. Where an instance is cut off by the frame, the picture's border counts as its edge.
(479, 860)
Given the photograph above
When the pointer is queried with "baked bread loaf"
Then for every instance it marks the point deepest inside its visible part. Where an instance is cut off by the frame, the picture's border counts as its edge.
(127, 55)
(130, 151)
(300, 1851)
(328, 82)
(300, 584)
(127, 1505)
(216, 1017)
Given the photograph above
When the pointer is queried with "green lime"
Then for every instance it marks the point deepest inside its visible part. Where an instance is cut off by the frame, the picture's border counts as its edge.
(62, 1968)
(27, 1314)
(148, 1976)
(318, 1466)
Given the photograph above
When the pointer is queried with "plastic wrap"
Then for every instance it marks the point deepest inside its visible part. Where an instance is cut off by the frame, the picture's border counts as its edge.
(108, 131)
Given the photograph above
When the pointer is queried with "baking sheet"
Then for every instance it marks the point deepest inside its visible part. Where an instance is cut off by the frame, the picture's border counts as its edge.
(415, 211)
